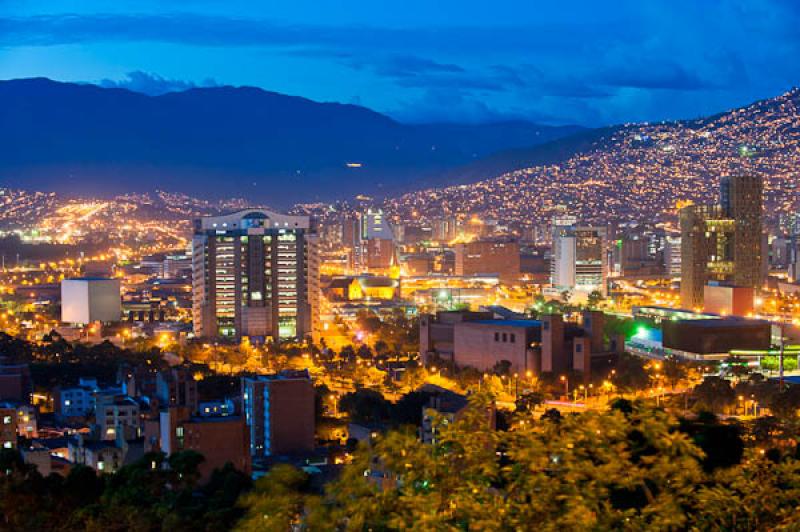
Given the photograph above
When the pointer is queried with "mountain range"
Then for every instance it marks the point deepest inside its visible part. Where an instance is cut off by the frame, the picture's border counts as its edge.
(217, 142)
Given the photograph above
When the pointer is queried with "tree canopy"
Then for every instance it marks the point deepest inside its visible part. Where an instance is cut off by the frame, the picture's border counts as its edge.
(631, 468)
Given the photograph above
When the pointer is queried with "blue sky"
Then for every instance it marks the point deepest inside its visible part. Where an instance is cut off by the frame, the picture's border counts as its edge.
(588, 62)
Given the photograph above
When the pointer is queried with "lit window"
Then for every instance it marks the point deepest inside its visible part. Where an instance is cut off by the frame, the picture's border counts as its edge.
(7, 444)
(101, 466)
(6, 420)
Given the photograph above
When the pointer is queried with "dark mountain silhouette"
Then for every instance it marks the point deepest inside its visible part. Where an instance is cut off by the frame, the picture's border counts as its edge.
(551, 152)
(227, 141)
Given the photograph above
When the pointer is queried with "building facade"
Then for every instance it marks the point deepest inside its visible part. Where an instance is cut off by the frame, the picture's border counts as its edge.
(722, 242)
(220, 439)
(88, 299)
(8, 426)
(279, 411)
(500, 257)
(255, 273)
(579, 259)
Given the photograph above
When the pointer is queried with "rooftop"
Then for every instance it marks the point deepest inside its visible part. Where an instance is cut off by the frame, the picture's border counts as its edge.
(91, 279)
(509, 323)
(724, 322)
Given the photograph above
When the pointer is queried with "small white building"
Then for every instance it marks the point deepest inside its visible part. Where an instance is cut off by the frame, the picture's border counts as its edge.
(89, 299)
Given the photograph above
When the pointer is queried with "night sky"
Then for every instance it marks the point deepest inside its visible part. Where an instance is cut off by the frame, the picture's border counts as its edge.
(586, 62)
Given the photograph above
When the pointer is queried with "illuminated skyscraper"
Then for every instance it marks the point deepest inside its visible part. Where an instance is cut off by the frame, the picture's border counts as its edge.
(672, 256)
(255, 273)
(722, 242)
(579, 259)
(375, 225)
(741, 199)
(372, 244)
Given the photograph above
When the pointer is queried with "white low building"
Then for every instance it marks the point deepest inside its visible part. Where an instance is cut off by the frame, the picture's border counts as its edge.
(89, 299)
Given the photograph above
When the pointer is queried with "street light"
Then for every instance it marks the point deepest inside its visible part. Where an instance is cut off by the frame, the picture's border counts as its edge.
(565, 380)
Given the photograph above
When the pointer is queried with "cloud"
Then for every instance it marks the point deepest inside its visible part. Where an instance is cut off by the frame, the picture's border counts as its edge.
(437, 105)
(318, 53)
(153, 84)
(412, 71)
(406, 66)
(580, 60)
(207, 30)
(422, 73)
(655, 75)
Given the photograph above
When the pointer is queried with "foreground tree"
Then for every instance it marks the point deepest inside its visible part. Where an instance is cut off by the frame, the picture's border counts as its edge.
(631, 468)
(276, 502)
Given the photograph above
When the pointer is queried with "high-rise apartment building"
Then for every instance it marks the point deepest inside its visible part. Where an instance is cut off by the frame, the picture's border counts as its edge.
(279, 410)
(255, 273)
(672, 256)
(722, 242)
(741, 199)
(374, 224)
(371, 241)
(579, 259)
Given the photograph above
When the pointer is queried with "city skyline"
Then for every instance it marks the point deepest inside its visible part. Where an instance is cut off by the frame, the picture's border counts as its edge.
(228, 308)
(582, 63)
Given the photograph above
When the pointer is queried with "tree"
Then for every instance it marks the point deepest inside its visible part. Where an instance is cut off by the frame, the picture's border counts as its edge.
(502, 368)
(527, 402)
(276, 502)
(594, 299)
(185, 467)
(674, 371)
(348, 354)
(408, 410)
(365, 406)
(364, 352)
(630, 373)
(414, 377)
(565, 295)
(759, 495)
(321, 395)
(714, 394)
(600, 471)
(785, 404)
(381, 348)
(722, 444)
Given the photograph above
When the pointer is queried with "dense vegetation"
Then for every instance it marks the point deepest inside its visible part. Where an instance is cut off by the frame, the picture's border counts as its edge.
(141, 497)
(632, 468)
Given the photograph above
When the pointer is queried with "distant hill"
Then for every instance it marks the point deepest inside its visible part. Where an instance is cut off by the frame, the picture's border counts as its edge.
(227, 141)
(505, 161)
(630, 172)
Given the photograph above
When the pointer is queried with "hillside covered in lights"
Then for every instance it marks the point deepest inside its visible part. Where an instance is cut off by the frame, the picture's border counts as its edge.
(641, 171)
